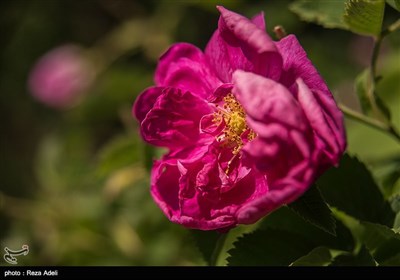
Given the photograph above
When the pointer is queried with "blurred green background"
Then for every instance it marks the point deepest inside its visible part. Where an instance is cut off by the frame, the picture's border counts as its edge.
(74, 184)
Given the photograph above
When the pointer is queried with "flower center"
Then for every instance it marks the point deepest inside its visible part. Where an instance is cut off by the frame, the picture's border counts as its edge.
(236, 132)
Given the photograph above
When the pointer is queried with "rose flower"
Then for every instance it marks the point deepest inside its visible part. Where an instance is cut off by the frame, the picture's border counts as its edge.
(249, 125)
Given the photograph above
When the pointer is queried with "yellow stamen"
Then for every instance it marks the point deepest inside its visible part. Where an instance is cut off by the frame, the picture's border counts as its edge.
(233, 115)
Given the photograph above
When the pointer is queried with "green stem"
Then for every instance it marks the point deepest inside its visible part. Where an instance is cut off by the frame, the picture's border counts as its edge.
(385, 126)
(371, 93)
(374, 58)
(394, 132)
(370, 121)
(218, 249)
(374, 61)
(378, 42)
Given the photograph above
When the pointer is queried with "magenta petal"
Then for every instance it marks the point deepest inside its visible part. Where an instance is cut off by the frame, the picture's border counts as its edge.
(297, 65)
(259, 21)
(207, 178)
(145, 101)
(325, 119)
(220, 93)
(174, 119)
(184, 66)
(251, 187)
(191, 153)
(164, 188)
(238, 172)
(277, 118)
(209, 126)
(267, 101)
(241, 44)
(198, 196)
(284, 193)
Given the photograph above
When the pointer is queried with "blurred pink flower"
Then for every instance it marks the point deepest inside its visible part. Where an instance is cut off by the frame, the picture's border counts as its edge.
(60, 77)
(249, 124)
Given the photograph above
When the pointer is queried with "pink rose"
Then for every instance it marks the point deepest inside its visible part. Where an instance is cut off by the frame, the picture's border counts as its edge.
(61, 76)
(249, 125)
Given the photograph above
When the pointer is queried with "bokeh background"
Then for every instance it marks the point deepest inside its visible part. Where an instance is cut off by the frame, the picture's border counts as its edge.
(74, 182)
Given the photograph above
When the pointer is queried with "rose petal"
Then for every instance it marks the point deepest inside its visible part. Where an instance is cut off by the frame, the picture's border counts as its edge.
(209, 126)
(267, 101)
(199, 194)
(297, 65)
(259, 21)
(145, 101)
(174, 120)
(284, 136)
(263, 205)
(167, 177)
(328, 129)
(238, 169)
(241, 44)
(251, 187)
(164, 188)
(207, 179)
(184, 66)
(334, 118)
(281, 192)
(220, 93)
(191, 153)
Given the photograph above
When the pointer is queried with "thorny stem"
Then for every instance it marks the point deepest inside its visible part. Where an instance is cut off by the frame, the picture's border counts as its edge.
(369, 121)
(218, 248)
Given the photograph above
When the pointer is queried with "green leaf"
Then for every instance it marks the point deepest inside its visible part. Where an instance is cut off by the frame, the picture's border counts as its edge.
(362, 84)
(352, 189)
(363, 258)
(395, 203)
(392, 182)
(319, 256)
(388, 89)
(394, 3)
(381, 241)
(396, 224)
(326, 13)
(364, 16)
(389, 176)
(268, 247)
(311, 207)
(206, 242)
(287, 220)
